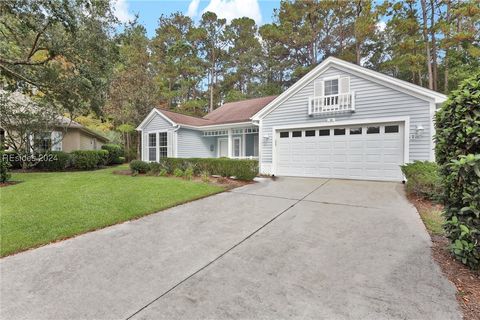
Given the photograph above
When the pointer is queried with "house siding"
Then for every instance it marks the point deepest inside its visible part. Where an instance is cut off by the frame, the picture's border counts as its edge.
(192, 144)
(372, 100)
(157, 123)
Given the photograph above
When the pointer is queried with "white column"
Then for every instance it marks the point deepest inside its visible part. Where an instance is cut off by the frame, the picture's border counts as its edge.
(230, 143)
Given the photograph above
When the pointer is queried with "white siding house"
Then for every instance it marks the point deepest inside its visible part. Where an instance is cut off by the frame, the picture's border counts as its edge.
(339, 121)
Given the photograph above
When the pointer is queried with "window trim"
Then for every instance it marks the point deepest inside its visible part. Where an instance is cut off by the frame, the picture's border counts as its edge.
(300, 136)
(239, 139)
(314, 133)
(379, 129)
(157, 147)
(344, 131)
(391, 125)
(325, 86)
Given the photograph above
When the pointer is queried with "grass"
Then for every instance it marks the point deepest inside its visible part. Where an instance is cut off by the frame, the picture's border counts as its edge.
(46, 207)
(433, 220)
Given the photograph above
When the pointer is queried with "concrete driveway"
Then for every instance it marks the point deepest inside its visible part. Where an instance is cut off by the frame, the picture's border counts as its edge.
(291, 248)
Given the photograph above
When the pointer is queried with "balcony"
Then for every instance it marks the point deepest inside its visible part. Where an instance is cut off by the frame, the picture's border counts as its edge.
(336, 103)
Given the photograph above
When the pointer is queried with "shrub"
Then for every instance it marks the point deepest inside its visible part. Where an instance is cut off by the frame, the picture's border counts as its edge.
(241, 169)
(423, 179)
(154, 168)
(458, 154)
(115, 153)
(163, 173)
(88, 159)
(13, 159)
(139, 166)
(54, 161)
(188, 173)
(4, 169)
(178, 172)
(205, 176)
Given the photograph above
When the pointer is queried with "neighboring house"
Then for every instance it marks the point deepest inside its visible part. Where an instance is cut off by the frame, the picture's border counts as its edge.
(67, 137)
(339, 121)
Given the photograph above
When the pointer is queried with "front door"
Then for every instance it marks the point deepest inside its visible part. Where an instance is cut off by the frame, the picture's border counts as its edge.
(222, 148)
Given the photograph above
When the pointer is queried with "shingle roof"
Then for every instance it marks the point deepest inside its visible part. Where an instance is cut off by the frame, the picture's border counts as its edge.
(185, 119)
(232, 112)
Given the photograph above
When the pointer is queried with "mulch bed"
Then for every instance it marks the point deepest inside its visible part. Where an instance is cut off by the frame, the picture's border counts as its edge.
(465, 280)
(8, 183)
(227, 183)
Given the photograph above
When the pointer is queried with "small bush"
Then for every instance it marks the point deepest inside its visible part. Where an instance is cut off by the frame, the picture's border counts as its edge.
(88, 159)
(241, 169)
(178, 172)
(205, 176)
(4, 169)
(115, 153)
(139, 166)
(163, 173)
(423, 179)
(188, 173)
(154, 168)
(54, 161)
(13, 158)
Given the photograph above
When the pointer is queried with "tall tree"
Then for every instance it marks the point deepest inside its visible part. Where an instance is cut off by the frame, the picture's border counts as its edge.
(132, 91)
(60, 49)
(426, 41)
(243, 64)
(213, 46)
(176, 60)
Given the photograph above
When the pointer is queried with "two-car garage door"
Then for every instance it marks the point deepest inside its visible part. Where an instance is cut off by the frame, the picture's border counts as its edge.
(370, 151)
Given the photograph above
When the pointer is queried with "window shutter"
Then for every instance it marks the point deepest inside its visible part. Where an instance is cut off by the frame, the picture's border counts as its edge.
(318, 88)
(170, 144)
(344, 85)
(57, 140)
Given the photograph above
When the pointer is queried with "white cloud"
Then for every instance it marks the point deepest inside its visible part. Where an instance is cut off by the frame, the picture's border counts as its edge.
(193, 8)
(231, 9)
(120, 10)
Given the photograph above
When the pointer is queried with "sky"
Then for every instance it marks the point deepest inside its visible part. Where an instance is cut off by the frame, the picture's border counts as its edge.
(150, 10)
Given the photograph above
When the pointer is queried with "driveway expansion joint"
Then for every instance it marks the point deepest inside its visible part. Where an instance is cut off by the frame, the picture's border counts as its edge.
(227, 251)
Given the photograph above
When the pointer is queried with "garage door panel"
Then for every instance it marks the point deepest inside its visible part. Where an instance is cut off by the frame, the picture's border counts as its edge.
(353, 156)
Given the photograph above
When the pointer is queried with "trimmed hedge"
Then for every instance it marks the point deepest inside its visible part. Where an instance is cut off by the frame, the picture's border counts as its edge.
(89, 159)
(458, 153)
(139, 166)
(423, 179)
(54, 161)
(115, 153)
(240, 169)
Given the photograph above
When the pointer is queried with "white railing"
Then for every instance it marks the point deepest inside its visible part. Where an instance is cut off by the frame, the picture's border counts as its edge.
(333, 103)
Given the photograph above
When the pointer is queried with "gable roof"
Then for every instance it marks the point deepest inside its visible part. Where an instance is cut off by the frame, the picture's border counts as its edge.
(383, 79)
(229, 113)
(238, 111)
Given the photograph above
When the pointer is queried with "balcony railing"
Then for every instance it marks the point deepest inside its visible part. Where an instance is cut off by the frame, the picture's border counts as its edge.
(344, 102)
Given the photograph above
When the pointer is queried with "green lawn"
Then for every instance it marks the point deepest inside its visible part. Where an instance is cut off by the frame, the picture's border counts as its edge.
(46, 207)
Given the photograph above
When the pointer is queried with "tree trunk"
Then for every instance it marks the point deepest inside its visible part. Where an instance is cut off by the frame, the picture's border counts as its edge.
(434, 45)
(427, 45)
(212, 77)
(447, 35)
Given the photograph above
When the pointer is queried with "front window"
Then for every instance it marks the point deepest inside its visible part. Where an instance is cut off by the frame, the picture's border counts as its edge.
(43, 142)
(163, 144)
(236, 147)
(152, 147)
(331, 87)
